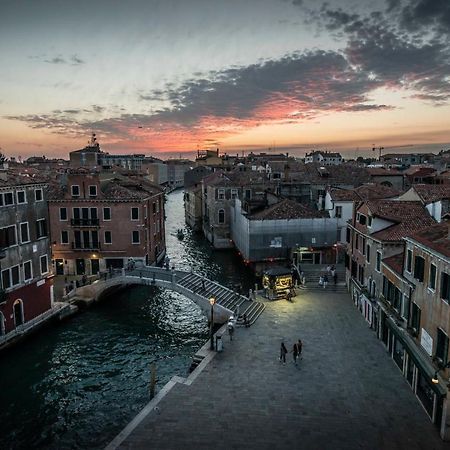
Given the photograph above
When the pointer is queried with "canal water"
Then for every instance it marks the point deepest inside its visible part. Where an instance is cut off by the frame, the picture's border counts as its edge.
(77, 384)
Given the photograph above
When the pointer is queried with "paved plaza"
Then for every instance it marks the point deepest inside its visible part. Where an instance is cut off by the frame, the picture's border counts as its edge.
(346, 392)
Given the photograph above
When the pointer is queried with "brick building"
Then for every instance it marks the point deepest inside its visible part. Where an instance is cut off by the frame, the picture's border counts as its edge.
(26, 288)
(99, 221)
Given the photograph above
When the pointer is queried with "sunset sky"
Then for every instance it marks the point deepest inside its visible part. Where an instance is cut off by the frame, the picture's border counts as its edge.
(169, 76)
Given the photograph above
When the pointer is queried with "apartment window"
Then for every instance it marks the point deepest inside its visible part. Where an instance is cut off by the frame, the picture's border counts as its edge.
(338, 211)
(93, 190)
(75, 189)
(62, 214)
(38, 195)
(348, 235)
(234, 193)
(8, 236)
(248, 194)
(221, 216)
(378, 266)
(108, 237)
(24, 233)
(15, 277)
(368, 253)
(363, 246)
(44, 264)
(432, 277)
(154, 207)
(409, 261)
(41, 228)
(64, 237)
(135, 237)
(419, 268)
(356, 241)
(27, 271)
(445, 287)
(415, 317)
(442, 346)
(369, 221)
(362, 219)
(134, 213)
(106, 213)
(6, 199)
(21, 197)
(6, 279)
(221, 194)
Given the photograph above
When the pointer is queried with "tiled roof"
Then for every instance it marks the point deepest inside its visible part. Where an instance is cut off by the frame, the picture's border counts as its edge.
(408, 217)
(381, 171)
(367, 191)
(286, 210)
(419, 170)
(395, 263)
(432, 192)
(16, 178)
(435, 237)
(371, 191)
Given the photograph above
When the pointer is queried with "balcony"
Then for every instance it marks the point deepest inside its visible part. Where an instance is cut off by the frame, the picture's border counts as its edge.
(81, 246)
(85, 222)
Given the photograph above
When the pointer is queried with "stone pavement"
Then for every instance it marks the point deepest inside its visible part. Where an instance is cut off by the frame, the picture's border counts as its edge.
(346, 392)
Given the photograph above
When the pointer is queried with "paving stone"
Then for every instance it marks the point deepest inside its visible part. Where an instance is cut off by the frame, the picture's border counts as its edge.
(346, 393)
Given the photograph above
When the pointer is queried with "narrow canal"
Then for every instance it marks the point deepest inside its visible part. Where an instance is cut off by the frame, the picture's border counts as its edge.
(77, 384)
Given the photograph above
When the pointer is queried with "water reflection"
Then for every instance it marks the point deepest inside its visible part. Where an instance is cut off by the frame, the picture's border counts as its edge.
(76, 385)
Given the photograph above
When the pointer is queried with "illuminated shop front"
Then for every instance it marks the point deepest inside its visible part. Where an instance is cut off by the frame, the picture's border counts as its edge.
(277, 282)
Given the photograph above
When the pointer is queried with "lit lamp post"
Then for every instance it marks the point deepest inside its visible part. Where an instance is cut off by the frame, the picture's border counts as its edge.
(212, 301)
(435, 379)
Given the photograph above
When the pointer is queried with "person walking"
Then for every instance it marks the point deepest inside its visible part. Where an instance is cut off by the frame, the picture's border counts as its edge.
(203, 284)
(295, 352)
(246, 322)
(321, 280)
(328, 269)
(335, 277)
(230, 329)
(283, 351)
(325, 281)
(299, 348)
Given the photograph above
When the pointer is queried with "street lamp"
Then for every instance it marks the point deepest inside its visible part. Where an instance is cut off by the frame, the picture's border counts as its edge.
(212, 301)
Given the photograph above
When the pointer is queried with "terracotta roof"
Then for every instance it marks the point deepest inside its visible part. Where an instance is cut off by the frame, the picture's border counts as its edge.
(286, 210)
(419, 170)
(381, 171)
(395, 263)
(435, 237)
(408, 217)
(429, 193)
(367, 191)
(15, 178)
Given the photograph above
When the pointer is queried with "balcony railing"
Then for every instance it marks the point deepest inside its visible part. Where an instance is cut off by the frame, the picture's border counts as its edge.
(84, 222)
(86, 246)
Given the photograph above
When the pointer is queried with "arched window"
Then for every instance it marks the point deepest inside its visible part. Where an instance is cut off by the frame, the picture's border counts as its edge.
(18, 312)
(221, 216)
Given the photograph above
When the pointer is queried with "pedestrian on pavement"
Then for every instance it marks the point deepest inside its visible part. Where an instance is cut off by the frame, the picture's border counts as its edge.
(300, 348)
(321, 280)
(289, 296)
(302, 278)
(328, 269)
(295, 352)
(246, 322)
(335, 278)
(283, 351)
(333, 271)
(230, 329)
(203, 284)
(325, 281)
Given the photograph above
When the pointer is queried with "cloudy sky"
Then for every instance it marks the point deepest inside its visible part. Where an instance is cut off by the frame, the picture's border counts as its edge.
(180, 75)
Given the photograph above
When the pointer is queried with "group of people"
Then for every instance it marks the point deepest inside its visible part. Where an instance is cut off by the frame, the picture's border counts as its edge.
(296, 351)
(325, 277)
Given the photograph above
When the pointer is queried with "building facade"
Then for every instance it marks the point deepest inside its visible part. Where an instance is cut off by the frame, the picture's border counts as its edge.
(97, 223)
(26, 291)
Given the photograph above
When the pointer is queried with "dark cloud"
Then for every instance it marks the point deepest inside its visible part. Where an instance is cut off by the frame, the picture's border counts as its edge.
(56, 60)
(76, 60)
(425, 13)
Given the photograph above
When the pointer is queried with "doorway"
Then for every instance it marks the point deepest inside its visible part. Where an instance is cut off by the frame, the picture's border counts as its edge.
(80, 266)
(18, 313)
(59, 266)
(95, 266)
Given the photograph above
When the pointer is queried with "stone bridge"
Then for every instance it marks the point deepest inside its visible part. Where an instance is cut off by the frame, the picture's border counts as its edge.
(189, 284)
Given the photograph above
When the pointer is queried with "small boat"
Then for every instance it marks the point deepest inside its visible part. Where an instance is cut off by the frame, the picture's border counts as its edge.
(180, 234)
